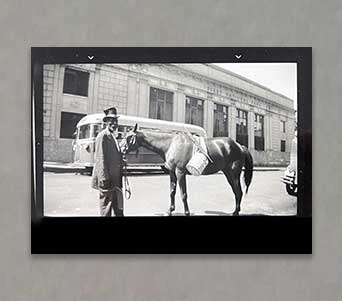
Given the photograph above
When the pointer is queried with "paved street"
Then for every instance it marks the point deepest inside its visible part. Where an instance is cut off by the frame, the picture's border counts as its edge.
(68, 194)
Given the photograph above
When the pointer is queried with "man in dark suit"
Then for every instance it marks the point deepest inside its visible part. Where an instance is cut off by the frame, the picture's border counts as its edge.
(107, 172)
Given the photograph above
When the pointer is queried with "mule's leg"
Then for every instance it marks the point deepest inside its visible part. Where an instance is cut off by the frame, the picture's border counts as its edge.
(238, 195)
(233, 176)
(181, 177)
(173, 186)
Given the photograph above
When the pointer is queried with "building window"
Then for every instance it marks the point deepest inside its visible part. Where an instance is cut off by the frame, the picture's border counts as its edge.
(242, 127)
(161, 104)
(68, 124)
(194, 111)
(282, 145)
(76, 82)
(283, 126)
(259, 141)
(220, 120)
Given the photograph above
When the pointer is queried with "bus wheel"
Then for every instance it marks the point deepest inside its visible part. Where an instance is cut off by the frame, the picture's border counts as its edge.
(89, 170)
(164, 169)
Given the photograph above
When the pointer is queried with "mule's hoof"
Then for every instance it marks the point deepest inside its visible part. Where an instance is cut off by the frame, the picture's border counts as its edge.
(235, 213)
(169, 212)
(187, 213)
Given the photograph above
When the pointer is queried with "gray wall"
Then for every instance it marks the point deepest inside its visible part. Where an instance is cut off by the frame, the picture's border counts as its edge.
(192, 23)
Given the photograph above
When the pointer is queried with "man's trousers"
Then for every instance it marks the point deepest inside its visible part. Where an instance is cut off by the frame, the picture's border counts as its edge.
(111, 201)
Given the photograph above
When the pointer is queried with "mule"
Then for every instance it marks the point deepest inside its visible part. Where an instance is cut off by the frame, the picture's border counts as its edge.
(176, 149)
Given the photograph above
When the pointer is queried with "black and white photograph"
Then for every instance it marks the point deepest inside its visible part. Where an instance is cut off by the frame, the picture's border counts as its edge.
(161, 140)
(199, 136)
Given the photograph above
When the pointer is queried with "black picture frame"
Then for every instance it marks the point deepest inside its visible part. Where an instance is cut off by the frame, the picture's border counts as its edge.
(185, 235)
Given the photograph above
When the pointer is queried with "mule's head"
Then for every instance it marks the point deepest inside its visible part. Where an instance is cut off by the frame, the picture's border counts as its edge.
(131, 140)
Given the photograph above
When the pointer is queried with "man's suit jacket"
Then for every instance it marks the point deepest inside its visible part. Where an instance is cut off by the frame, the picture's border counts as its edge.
(108, 163)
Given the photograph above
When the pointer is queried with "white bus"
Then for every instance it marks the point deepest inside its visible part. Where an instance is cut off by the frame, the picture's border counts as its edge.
(89, 126)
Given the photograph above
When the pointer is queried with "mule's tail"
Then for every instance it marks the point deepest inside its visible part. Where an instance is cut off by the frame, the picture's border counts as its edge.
(248, 167)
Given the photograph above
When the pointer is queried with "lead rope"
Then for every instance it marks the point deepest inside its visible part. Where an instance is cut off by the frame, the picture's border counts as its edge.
(126, 183)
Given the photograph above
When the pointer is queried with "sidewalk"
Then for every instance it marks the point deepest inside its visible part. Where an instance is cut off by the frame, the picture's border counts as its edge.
(76, 168)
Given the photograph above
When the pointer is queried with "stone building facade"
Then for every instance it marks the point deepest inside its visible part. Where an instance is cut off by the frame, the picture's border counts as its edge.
(223, 103)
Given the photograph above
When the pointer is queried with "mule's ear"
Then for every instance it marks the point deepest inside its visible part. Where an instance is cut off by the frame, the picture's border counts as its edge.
(135, 127)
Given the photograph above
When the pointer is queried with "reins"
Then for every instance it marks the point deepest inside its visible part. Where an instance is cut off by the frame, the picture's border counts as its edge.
(126, 183)
(128, 192)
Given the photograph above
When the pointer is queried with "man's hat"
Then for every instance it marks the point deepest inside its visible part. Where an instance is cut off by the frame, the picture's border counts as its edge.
(110, 113)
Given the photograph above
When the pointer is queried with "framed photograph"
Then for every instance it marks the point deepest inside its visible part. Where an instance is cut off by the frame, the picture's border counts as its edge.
(171, 150)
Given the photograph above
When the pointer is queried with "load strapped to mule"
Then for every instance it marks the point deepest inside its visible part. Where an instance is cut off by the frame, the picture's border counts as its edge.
(200, 157)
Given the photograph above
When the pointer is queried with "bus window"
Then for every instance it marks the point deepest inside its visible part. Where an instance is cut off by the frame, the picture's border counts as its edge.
(84, 132)
(97, 129)
(121, 129)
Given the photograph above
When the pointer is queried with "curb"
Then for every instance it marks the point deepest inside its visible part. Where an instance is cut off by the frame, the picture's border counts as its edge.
(269, 168)
(61, 169)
